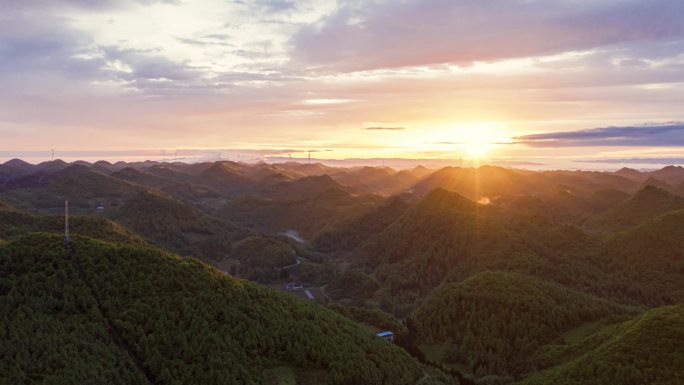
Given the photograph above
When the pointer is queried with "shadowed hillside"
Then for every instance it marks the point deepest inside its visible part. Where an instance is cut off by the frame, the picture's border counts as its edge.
(644, 350)
(309, 216)
(648, 203)
(495, 321)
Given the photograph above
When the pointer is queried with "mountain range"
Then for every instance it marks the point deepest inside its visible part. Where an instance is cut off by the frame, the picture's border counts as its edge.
(177, 273)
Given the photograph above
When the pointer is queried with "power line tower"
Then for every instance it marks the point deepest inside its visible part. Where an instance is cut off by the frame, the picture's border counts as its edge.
(67, 236)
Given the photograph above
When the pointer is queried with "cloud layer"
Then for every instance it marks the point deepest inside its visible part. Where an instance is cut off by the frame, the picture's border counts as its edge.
(409, 33)
(320, 74)
(669, 134)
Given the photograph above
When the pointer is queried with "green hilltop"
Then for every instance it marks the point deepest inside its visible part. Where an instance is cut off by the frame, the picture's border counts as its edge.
(495, 321)
(644, 350)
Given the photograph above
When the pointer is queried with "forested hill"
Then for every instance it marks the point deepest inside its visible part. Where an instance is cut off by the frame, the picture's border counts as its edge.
(118, 314)
(497, 321)
(15, 223)
(644, 350)
(647, 203)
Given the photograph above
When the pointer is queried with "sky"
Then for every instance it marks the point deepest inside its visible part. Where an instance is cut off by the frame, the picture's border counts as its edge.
(588, 84)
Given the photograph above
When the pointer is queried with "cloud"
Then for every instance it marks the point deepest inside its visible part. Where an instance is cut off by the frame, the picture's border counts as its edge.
(92, 5)
(657, 161)
(389, 34)
(379, 128)
(271, 5)
(105, 67)
(665, 134)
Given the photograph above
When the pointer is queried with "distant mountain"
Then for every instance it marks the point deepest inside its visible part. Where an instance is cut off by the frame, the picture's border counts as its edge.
(13, 169)
(494, 182)
(223, 177)
(307, 169)
(118, 314)
(104, 167)
(19, 164)
(420, 171)
(349, 236)
(169, 173)
(383, 181)
(84, 188)
(563, 205)
(200, 196)
(473, 183)
(605, 199)
(643, 350)
(632, 174)
(263, 171)
(179, 226)
(306, 187)
(142, 178)
(52, 166)
(671, 175)
(494, 322)
(581, 181)
(651, 181)
(309, 216)
(648, 203)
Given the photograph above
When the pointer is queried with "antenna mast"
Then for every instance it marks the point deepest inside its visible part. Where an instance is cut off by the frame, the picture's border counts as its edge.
(67, 238)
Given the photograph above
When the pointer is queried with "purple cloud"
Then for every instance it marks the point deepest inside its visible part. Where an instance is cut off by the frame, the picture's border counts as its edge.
(392, 34)
(667, 134)
(656, 161)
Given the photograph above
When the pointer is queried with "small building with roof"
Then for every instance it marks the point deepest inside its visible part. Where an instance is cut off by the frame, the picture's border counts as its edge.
(388, 335)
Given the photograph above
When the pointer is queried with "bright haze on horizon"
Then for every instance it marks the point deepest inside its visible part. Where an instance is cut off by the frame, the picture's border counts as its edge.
(537, 84)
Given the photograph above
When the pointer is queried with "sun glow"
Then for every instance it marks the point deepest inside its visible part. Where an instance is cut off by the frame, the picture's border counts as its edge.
(466, 140)
(477, 140)
(477, 148)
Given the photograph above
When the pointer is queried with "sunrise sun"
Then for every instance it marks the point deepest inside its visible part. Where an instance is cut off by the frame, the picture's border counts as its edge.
(477, 140)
